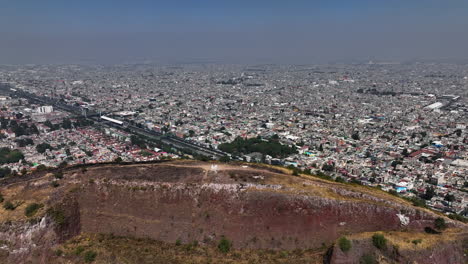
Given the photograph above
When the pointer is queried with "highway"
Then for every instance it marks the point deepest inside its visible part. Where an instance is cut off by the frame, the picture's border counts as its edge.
(175, 142)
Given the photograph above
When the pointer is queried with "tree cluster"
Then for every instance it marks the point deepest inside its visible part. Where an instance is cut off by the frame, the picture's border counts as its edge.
(24, 142)
(41, 148)
(68, 124)
(20, 129)
(270, 147)
(4, 172)
(328, 167)
(136, 140)
(10, 156)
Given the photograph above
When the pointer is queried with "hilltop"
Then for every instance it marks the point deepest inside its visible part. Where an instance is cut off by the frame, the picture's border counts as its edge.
(190, 211)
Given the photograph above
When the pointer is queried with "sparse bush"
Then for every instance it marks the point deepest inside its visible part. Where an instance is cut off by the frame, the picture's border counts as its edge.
(58, 175)
(4, 172)
(379, 241)
(298, 252)
(1, 198)
(224, 245)
(324, 176)
(9, 206)
(58, 252)
(54, 184)
(63, 164)
(344, 244)
(57, 215)
(225, 159)
(89, 256)
(41, 167)
(188, 247)
(178, 242)
(78, 250)
(283, 254)
(451, 216)
(31, 209)
(368, 259)
(416, 241)
(440, 224)
(339, 179)
(356, 181)
(431, 230)
(418, 202)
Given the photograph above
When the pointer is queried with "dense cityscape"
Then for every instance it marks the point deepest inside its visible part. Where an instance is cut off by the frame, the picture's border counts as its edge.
(233, 132)
(398, 127)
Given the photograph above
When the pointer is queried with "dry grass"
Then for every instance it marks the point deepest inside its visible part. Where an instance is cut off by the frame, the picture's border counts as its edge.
(322, 184)
(21, 197)
(111, 249)
(404, 240)
(314, 186)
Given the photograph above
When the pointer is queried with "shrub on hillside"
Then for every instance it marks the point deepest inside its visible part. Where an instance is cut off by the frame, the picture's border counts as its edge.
(89, 256)
(431, 230)
(418, 202)
(454, 217)
(344, 244)
(58, 175)
(41, 167)
(9, 206)
(379, 241)
(58, 252)
(368, 259)
(57, 216)
(295, 172)
(440, 224)
(78, 250)
(225, 159)
(31, 209)
(224, 245)
(339, 179)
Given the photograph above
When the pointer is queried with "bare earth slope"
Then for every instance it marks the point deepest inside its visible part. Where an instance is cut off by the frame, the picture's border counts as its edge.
(253, 207)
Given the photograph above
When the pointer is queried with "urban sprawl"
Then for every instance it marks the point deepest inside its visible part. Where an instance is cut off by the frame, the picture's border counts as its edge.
(398, 127)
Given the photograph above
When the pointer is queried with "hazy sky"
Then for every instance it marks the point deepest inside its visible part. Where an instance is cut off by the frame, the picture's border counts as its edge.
(237, 31)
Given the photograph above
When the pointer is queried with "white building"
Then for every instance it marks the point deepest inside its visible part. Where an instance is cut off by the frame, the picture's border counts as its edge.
(434, 106)
(45, 109)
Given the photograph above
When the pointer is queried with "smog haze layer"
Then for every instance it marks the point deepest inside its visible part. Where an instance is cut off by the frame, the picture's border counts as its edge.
(231, 31)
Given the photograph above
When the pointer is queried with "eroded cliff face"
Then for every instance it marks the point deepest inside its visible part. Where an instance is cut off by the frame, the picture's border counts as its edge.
(32, 240)
(254, 208)
(255, 218)
(20, 239)
(192, 201)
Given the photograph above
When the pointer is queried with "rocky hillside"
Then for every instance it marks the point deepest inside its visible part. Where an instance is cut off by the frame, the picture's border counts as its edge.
(249, 209)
